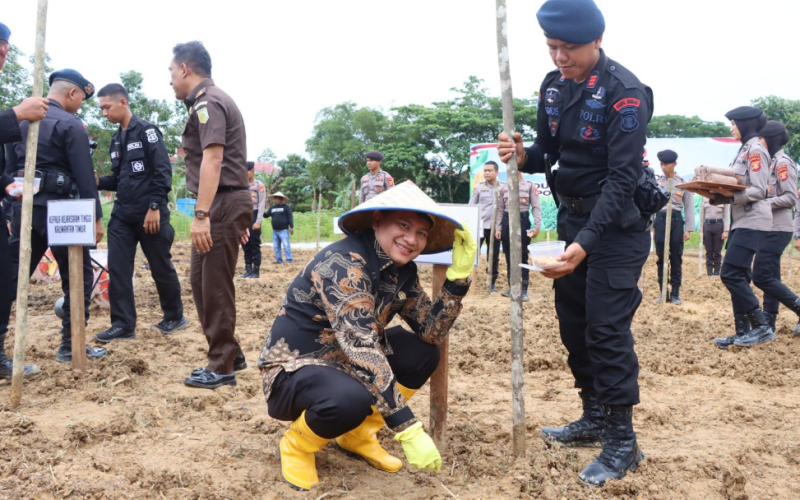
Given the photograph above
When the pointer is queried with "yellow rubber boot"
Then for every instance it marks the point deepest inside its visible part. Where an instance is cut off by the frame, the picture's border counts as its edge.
(363, 440)
(297, 449)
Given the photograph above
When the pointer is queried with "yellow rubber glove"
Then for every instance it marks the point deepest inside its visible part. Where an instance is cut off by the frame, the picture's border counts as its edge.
(419, 448)
(464, 250)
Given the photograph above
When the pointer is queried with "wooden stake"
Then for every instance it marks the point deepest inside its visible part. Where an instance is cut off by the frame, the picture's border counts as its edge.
(23, 276)
(700, 234)
(515, 238)
(319, 216)
(667, 231)
(77, 316)
(439, 379)
(490, 254)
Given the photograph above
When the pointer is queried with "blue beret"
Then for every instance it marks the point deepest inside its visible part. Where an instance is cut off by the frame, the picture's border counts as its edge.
(571, 21)
(374, 155)
(743, 113)
(667, 156)
(5, 33)
(72, 76)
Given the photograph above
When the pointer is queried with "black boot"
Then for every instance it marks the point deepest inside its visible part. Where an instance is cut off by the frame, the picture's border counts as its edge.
(525, 292)
(587, 431)
(64, 353)
(675, 298)
(253, 273)
(620, 453)
(742, 328)
(7, 364)
(247, 270)
(494, 281)
(759, 333)
(716, 270)
(795, 308)
(772, 319)
(709, 270)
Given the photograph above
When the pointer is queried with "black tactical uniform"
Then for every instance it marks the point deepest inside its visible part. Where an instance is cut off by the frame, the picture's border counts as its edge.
(142, 177)
(64, 164)
(596, 132)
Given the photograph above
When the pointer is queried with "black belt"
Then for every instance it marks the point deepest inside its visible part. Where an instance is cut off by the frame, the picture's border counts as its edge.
(228, 189)
(713, 221)
(579, 205)
(675, 215)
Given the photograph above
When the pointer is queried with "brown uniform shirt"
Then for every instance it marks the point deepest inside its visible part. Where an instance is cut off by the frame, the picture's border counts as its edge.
(214, 119)
(714, 212)
(528, 202)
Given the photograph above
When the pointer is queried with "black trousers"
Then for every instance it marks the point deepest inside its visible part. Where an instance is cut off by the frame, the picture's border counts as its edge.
(252, 250)
(735, 274)
(525, 225)
(336, 403)
(38, 248)
(712, 239)
(8, 290)
(122, 239)
(767, 271)
(595, 306)
(675, 247)
(495, 255)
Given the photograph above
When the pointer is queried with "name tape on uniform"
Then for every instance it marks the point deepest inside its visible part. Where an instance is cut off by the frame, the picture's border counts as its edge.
(70, 222)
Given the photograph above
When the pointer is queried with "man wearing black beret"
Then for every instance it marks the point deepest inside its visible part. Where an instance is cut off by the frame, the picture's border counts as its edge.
(679, 232)
(592, 118)
(376, 181)
(64, 167)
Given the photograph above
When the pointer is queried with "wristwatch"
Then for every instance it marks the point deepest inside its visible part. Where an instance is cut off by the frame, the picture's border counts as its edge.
(153, 205)
(201, 214)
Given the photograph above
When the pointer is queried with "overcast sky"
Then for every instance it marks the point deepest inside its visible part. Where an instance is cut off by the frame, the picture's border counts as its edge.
(284, 61)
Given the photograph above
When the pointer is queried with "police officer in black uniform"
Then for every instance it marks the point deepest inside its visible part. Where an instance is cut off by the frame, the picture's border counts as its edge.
(592, 117)
(32, 109)
(64, 167)
(142, 177)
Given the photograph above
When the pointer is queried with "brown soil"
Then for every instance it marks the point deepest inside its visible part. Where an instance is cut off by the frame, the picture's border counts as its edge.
(713, 424)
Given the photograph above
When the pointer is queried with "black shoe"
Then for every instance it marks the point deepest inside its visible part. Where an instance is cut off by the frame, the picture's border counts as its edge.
(716, 272)
(772, 320)
(206, 379)
(171, 326)
(588, 431)
(620, 453)
(7, 366)
(675, 299)
(795, 308)
(253, 274)
(525, 297)
(759, 333)
(64, 353)
(742, 327)
(239, 364)
(658, 299)
(247, 271)
(115, 333)
(494, 288)
(506, 293)
(709, 271)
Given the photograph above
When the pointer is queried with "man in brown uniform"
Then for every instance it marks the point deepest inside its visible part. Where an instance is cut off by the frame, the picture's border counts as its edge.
(216, 171)
(716, 224)
(376, 181)
(528, 201)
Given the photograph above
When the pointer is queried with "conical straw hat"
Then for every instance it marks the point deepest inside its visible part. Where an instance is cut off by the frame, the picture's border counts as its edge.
(405, 196)
(279, 194)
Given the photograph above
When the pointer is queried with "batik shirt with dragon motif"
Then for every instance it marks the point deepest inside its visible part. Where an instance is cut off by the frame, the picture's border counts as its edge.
(335, 312)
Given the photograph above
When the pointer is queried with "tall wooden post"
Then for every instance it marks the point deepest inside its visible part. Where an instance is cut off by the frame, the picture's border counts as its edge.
(515, 238)
(667, 231)
(77, 317)
(23, 276)
(439, 379)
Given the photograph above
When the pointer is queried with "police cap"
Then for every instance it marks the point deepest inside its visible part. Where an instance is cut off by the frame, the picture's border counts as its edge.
(5, 33)
(667, 156)
(571, 21)
(72, 76)
(743, 113)
(374, 155)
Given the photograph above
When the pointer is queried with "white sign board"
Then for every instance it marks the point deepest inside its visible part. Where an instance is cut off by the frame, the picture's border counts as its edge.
(70, 222)
(336, 229)
(469, 213)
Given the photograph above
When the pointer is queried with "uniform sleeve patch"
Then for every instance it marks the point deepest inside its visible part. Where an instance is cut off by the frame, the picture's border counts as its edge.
(628, 102)
(783, 173)
(755, 162)
(202, 115)
(628, 109)
(152, 137)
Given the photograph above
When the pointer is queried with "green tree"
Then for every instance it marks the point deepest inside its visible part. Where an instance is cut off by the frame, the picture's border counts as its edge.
(669, 126)
(293, 165)
(267, 156)
(16, 80)
(786, 111)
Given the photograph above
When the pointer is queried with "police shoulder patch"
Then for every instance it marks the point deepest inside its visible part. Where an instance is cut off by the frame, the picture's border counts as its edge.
(755, 162)
(152, 137)
(783, 173)
(202, 115)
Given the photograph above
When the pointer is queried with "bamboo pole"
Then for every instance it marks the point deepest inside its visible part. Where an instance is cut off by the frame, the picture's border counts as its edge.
(319, 216)
(490, 254)
(439, 379)
(23, 275)
(77, 317)
(667, 231)
(515, 238)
